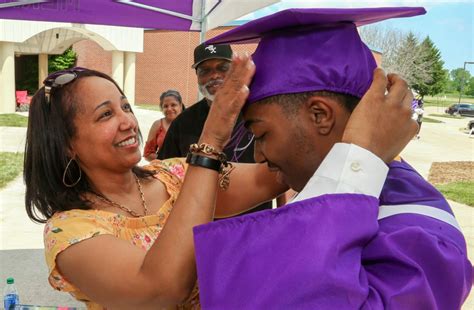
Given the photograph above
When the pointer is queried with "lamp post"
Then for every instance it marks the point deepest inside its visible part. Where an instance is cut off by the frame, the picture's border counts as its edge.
(462, 80)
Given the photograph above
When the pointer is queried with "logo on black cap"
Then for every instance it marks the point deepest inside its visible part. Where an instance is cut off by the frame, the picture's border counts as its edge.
(204, 52)
(211, 48)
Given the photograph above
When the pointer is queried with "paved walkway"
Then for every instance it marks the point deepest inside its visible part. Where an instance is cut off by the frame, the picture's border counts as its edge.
(21, 240)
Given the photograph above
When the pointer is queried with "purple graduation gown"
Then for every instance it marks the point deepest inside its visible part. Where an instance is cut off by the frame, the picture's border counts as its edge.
(331, 252)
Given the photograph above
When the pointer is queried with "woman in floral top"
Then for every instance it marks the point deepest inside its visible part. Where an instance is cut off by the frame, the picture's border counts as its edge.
(116, 235)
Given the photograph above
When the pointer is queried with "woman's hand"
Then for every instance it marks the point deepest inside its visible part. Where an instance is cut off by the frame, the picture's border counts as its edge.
(229, 100)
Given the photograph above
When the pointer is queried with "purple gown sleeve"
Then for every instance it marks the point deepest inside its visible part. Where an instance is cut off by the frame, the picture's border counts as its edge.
(416, 262)
(329, 252)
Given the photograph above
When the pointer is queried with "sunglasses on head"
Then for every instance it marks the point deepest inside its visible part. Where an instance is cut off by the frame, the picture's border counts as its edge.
(59, 79)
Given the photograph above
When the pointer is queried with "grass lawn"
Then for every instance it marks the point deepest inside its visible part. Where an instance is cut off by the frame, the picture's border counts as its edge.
(153, 107)
(445, 101)
(13, 120)
(430, 120)
(462, 192)
(446, 116)
(11, 165)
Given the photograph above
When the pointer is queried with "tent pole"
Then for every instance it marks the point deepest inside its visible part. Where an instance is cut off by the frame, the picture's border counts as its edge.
(202, 34)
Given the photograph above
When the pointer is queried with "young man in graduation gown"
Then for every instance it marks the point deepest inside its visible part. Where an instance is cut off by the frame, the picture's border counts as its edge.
(364, 232)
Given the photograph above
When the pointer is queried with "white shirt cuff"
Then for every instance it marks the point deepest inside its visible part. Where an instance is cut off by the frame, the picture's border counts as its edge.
(347, 168)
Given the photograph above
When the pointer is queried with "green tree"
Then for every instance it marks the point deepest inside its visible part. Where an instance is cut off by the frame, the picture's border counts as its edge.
(433, 79)
(450, 88)
(420, 64)
(407, 59)
(460, 77)
(470, 87)
(26, 77)
(62, 62)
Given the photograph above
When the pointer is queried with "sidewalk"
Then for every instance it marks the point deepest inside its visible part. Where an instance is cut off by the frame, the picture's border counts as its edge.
(21, 242)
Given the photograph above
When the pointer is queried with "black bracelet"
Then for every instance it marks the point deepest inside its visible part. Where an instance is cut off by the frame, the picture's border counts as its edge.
(203, 161)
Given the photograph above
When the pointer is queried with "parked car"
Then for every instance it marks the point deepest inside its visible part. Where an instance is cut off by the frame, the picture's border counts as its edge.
(470, 125)
(464, 109)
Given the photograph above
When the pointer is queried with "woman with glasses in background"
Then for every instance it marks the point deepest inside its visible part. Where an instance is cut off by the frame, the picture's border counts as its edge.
(118, 235)
(172, 105)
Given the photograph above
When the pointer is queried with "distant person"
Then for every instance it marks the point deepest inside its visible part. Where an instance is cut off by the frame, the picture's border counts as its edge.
(417, 107)
(172, 105)
(212, 64)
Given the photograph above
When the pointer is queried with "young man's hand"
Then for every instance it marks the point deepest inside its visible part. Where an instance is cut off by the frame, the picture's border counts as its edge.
(382, 121)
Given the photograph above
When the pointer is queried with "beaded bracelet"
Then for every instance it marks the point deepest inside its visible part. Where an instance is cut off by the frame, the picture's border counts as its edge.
(208, 150)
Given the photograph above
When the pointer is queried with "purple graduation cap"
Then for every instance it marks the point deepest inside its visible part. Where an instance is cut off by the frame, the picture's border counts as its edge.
(304, 50)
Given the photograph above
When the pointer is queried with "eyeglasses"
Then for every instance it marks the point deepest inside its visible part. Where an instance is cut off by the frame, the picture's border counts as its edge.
(59, 79)
(220, 68)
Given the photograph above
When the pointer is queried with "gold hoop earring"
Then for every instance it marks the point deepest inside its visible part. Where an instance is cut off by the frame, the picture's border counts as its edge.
(65, 172)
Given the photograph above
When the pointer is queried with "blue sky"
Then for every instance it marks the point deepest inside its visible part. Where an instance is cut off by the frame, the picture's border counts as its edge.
(449, 23)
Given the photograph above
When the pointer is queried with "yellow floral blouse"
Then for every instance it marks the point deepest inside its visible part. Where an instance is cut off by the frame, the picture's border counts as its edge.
(67, 228)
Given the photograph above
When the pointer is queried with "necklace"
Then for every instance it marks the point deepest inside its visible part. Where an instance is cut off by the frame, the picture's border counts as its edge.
(122, 207)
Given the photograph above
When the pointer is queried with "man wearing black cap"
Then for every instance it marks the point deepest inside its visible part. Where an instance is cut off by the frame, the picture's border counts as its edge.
(211, 62)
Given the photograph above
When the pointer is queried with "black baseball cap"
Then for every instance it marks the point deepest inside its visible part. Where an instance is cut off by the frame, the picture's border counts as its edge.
(205, 51)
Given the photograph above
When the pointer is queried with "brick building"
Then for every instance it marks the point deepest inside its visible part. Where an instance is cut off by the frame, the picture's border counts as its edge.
(164, 64)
